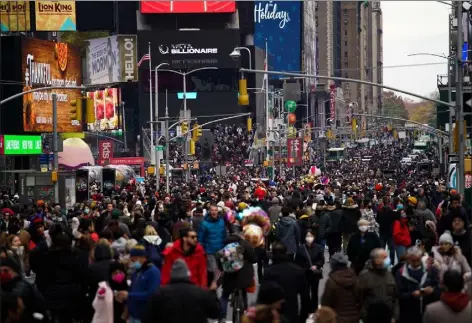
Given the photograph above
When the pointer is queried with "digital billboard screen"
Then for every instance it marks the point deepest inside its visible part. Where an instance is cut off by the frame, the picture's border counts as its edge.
(279, 22)
(211, 6)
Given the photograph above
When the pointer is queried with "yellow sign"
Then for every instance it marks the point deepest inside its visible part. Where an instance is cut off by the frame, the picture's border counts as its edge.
(15, 16)
(55, 15)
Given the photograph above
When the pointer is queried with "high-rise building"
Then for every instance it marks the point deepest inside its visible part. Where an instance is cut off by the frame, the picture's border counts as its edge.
(350, 45)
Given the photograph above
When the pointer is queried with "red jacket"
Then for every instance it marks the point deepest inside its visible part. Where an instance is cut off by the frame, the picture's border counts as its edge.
(196, 263)
(401, 234)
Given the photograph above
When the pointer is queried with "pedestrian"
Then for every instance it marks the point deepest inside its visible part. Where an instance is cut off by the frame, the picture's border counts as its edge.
(181, 300)
(188, 249)
(454, 306)
(418, 285)
(334, 236)
(287, 231)
(291, 278)
(450, 257)
(360, 246)
(385, 219)
(268, 306)
(401, 234)
(340, 290)
(326, 315)
(376, 284)
(348, 226)
(145, 281)
(310, 257)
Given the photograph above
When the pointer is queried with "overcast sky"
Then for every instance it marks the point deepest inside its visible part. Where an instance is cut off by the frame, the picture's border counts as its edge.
(414, 27)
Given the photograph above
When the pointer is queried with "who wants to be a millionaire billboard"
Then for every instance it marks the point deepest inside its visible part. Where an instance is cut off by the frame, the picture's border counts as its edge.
(279, 22)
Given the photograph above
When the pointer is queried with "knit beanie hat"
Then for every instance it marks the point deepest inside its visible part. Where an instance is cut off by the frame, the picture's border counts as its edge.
(446, 238)
(339, 260)
(269, 293)
(179, 270)
(138, 251)
(11, 263)
(115, 214)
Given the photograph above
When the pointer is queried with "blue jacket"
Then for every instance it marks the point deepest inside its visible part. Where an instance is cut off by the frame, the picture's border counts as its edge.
(144, 283)
(212, 234)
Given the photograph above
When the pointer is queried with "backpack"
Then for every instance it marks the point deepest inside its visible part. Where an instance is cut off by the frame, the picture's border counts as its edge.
(153, 254)
(232, 257)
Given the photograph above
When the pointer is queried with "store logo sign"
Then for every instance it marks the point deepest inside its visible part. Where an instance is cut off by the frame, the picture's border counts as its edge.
(270, 11)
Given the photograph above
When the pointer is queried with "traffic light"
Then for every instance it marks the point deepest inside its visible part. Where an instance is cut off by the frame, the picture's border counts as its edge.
(199, 132)
(456, 135)
(184, 128)
(76, 109)
(192, 147)
(249, 124)
(195, 132)
(89, 111)
(243, 98)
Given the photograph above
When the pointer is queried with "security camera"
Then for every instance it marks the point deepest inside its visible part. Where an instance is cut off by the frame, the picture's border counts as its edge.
(235, 54)
(466, 6)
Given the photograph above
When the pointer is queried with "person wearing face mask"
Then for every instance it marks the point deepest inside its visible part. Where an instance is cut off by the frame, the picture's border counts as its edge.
(450, 257)
(310, 256)
(145, 281)
(418, 286)
(376, 284)
(401, 233)
(360, 246)
(117, 282)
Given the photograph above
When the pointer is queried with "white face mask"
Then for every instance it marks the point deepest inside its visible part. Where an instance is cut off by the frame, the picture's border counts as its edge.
(363, 228)
(309, 239)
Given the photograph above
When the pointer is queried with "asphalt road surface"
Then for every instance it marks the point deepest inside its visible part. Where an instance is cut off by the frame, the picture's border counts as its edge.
(252, 297)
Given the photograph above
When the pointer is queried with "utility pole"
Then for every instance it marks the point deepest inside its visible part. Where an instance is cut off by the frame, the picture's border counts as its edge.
(166, 118)
(459, 99)
(55, 145)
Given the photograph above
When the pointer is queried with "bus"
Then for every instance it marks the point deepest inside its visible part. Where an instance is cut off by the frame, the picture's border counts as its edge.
(335, 154)
(419, 147)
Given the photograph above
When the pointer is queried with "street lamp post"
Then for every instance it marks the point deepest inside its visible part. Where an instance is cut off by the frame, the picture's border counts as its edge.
(156, 117)
(236, 54)
(184, 76)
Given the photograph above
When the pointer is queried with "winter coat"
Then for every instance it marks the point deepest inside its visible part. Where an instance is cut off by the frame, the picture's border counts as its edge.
(196, 222)
(144, 283)
(287, 231)
(359, 248)
(103, 304)
(291, 278)
(455, 261)
(212, 234)
(196, 263)
(351, 215)
(321, 225)
(274, 213)
(316, 254)
(376, 285)
(181, 301)
(456, 308)
(99, 270)
(411, 307)
(340, 294)
(243, 278)
(153, 248)
(368, 214)
(303, 224)
(401, 234)
(336, 218)
(385, 218)
(463, 242)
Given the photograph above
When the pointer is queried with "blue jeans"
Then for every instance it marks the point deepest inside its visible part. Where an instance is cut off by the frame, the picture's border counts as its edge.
(401, 250)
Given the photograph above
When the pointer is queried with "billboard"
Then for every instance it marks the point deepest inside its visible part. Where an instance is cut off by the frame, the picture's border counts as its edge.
(111, 59)
(55, 15)
(191, 49)
(105, 103)
(211, 6)
(105, 151)
(15, 16)
(294, 152)
(47, 63)
(20, 145)
(279, 23)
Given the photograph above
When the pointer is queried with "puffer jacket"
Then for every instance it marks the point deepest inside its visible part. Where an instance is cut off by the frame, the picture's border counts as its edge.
(351, 214)
(212, 234)
(340, 295)
(455, 261)
(321, 225)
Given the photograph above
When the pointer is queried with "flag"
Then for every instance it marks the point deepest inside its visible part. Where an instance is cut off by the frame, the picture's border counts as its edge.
(145, 57)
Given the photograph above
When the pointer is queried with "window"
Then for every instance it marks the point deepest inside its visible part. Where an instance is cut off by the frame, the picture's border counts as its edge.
(345, 54)
(345, 21)
(345, 43)
(346, 65)
(345, 11)
(345, 32)
(346, 75)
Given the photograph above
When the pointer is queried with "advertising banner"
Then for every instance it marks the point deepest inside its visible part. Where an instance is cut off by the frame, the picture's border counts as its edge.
(111, 59)
(106, 103)
(191, 49)
(105, 151)
(81, 184)
(21, 145)
(332, 103)
(108, 181)
(279, 23)
(294, 152)
(209, 6)
(55, 15)
(15, 16)
(47, 63)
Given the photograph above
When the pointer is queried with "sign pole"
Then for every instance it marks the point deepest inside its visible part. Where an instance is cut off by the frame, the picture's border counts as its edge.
(167, 147)
(55, 145)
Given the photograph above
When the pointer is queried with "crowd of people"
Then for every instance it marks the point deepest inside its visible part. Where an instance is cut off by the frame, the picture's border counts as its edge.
(398, 248)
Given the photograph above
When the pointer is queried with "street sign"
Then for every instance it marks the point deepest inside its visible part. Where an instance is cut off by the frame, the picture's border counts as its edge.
(159, 148)
(453, 159)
